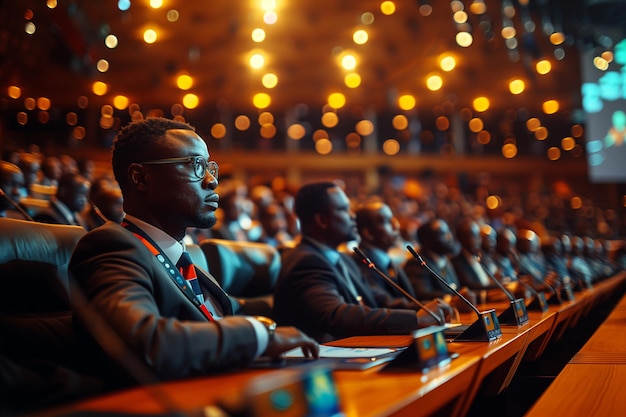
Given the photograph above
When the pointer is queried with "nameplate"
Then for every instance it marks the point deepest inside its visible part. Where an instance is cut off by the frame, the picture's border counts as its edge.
(515, 314)
(485, 329)
(539, 303)
(427, 351)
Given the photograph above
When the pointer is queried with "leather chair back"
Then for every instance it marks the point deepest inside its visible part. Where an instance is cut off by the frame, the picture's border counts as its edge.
(243, 269)
(35, 311)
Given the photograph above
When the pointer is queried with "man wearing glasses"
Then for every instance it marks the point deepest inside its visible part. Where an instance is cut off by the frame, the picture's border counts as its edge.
(129, 273)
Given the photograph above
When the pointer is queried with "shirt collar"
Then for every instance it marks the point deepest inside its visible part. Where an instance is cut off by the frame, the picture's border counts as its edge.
(330, 253)
(378, 256)
(171, 247)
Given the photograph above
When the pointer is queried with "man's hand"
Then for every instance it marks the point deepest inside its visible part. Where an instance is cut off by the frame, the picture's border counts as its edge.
(287, 338)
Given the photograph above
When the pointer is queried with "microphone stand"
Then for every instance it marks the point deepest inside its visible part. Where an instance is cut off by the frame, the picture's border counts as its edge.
(15, 205)
(485, 329)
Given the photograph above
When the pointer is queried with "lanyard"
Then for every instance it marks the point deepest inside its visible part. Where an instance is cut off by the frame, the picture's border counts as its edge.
(170, 267)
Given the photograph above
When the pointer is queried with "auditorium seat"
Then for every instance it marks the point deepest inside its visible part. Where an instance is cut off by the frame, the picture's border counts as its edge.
(247, 270)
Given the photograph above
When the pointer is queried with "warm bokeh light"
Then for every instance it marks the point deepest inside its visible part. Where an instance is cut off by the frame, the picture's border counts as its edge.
(102, 65)
(478, 7)
(191, 101)
(269, 80)
(348, 62)
(71, 118)
(150, 36)
(476, 125)
(99, 88)
(493, 202)
(447, 63)
(442, 123)
(120, 102)
(577, 131)
(434, 82)
(218, 130)
(541, 133)
(30, 28)
(550, 106)
(483, 137)
(554, 153)
(173, 15)
(460, 16)
(508, 32)
(111, 41)
(266, 118)
(533, 124)
(360, 37)
(391, 147)
(388, 7)
(406, 102)
(568, 143)
(30, 103)
(517, 86)
(296, 131)
(543, 67)
(323, 146)
(480, 104)
(576, 202)
(267, 131)
(557, 38)
(336, 100)
(268, 5)
(400, 122)
(364, 127)
(14, 92)
(320, 134)
(270, 17)
(464, 39)
(261, 100)
(184, 82)
(258, 35)
(509, 150)
(79, 133)
(367, 18)
(22, 118)
(257, 61)
(353, 140)
(242, 122)
(156, 4)
(330, 119)
(601, 63)
(352, 80)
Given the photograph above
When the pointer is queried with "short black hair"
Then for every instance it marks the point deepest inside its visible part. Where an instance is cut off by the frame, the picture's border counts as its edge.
(312, 199)
(135, 139)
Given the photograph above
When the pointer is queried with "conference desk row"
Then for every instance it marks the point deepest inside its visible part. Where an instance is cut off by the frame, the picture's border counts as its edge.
(481, 367)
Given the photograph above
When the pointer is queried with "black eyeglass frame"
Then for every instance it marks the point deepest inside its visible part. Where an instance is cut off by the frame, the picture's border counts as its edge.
(199, 165)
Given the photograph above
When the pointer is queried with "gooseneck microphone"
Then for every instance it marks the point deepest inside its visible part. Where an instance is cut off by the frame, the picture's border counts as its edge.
(485, 329)
(516, 313)
(373, 267)
(443, 281)
(15, 205)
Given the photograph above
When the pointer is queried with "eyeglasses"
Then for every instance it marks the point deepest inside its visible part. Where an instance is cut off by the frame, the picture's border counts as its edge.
(199, 165)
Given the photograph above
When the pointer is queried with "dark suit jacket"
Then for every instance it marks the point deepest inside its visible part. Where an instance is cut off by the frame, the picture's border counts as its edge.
(386, 294)
(134, 294)
(426, 286)
(310, 295)
(467, 275)
(54, 215)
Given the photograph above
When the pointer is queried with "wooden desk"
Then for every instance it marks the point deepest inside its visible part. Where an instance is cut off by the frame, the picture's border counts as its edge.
(584, 390)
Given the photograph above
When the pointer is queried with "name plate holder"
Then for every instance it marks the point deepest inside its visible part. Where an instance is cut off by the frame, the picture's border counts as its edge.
(485, 329)
(539, 303)
(515, 314)
(427, 351)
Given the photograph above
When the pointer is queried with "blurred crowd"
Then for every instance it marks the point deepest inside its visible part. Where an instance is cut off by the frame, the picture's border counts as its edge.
(523, 217)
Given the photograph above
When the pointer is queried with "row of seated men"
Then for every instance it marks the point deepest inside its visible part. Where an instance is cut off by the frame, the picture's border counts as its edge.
(327, 300)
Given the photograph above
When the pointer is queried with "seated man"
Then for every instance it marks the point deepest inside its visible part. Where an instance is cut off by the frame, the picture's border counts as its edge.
(173, 317)
(12, 189)
(70, 200)
(379, 232)
(468, 264)
(437, 243)
(320, 289)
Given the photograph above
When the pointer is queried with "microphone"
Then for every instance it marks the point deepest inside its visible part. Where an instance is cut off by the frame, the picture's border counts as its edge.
(539, 302)
(486, 328)
(15, 205)
(516, 314)
(373, 267)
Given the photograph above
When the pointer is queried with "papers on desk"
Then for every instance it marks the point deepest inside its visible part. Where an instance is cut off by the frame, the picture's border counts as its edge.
(358, 358)
(337, 352)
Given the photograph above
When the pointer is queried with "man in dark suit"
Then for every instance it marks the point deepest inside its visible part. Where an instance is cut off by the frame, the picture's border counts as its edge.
(379, 231)
(320, 289)
(70, 200)
(437, 243)
(173, 324)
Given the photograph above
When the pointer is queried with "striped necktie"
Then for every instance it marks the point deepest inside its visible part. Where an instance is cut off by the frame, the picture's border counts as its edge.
(187, 270)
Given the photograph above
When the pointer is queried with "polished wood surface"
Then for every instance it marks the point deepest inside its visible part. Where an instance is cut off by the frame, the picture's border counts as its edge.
(592, 383)
(480, 368)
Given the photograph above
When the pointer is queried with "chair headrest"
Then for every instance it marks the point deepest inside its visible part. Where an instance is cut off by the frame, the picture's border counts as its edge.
(243, 269)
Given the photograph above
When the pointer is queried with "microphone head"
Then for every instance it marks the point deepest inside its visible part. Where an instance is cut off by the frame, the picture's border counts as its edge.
(415, 254)
(362, 255)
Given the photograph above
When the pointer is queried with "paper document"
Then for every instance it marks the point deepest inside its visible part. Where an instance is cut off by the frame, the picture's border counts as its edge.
(343, 352)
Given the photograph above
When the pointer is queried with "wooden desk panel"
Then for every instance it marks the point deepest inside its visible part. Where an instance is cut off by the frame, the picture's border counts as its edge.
(584, 390)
